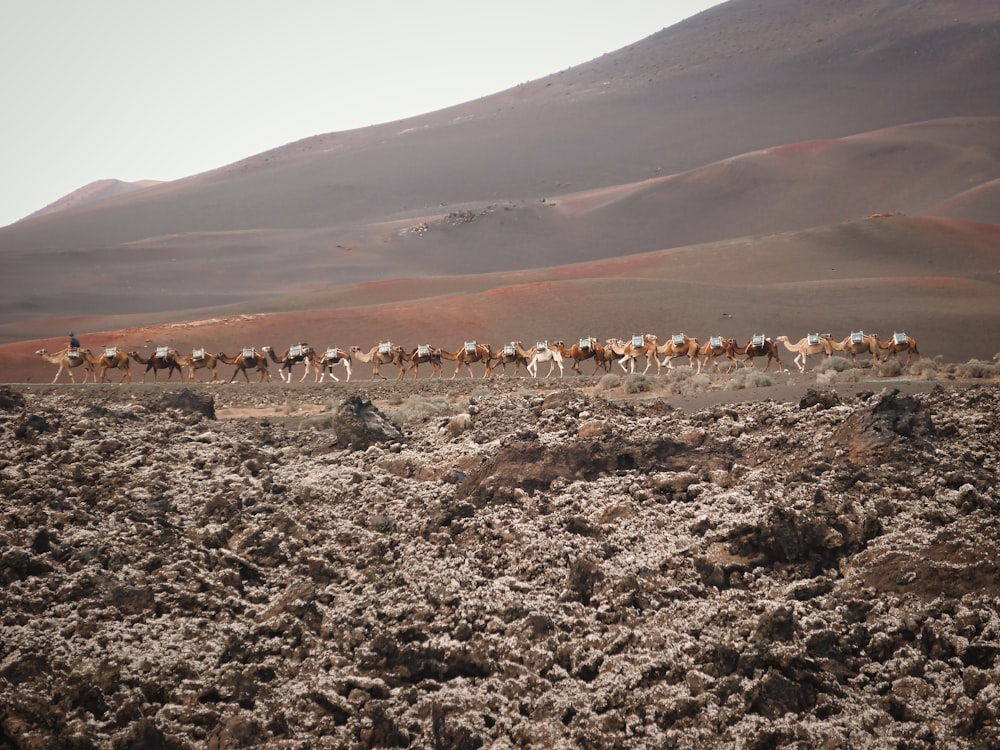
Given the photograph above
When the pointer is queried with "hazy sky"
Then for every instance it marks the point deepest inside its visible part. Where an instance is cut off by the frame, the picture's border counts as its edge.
(137, 89)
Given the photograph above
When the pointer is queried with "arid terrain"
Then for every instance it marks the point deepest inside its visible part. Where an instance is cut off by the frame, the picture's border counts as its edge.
(684, 561)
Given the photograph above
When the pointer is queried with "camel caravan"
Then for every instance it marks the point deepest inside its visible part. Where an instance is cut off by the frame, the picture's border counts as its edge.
(628, 354)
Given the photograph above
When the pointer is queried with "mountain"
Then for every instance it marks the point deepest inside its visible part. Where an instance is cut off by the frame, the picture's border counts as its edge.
(98, 190)
(754, 119)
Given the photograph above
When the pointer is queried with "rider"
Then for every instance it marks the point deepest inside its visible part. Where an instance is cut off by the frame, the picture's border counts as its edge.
(74, 342)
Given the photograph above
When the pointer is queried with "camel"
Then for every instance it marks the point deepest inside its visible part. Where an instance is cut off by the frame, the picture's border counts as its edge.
(814, 343)
(855, 343)
(542, 352)
(331, 358)
(899, 342)
(680, 345)
(759, 346)
(199, 358)
(584, 349)
(510, 353)
(383, 354)
(468, 353)
(296, 354)
(423, 353)
(163, 359)
(110, 359)
(246, 359)
(67, 359)
(714, 348)
(637, 346)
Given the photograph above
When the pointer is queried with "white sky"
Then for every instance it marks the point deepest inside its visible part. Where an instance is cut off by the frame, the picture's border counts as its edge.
(147, 89)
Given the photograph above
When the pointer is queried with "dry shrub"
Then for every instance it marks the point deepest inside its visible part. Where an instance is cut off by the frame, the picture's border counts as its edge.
(635, 382)
(609, 382)
(416, 409)
(838, 370)
(686, 381)
(928, 369)
(835, 364)
(976, 368)
(891, 368)
(748, 377)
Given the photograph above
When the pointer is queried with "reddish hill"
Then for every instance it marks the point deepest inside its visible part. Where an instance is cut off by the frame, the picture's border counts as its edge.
(935, 278)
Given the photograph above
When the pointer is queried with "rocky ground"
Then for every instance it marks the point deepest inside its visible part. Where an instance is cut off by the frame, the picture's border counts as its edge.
(503, 564)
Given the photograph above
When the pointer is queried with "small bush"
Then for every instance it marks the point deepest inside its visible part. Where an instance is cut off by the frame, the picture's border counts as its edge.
(835, 364)
(832, 376)
(686, 381)
(975, 368)
(608, 382)
(925, 368)
(416, 409)
(394, 399)
(891, 368)
(635, 382)
(748, 377)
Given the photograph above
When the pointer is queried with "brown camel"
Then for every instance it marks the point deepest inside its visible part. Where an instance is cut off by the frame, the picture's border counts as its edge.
(899, 342)
(386, 353)
(717, 347)
(294, 355)
(163, 359)
(247, 359)
(67, 359)
(199, 359)
(109, 359)
(331, 358)
(759, 346)
(584, 349)
(424, 353)
(509, 353)
(804, 348)
(855, 343)
(468, 353)
(638, 346)
(679, 345)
